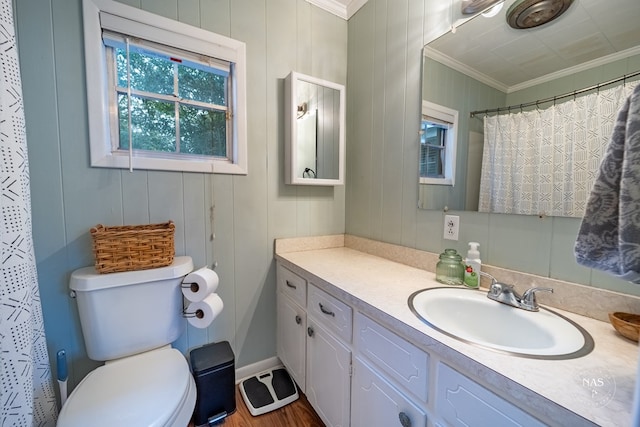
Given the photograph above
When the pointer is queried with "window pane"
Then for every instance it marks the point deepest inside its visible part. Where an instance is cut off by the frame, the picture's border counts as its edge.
(431, 162)
(432, 150)
(435, 135)
(152, 124)
(148, 72)
(203, 131)
(202, 85)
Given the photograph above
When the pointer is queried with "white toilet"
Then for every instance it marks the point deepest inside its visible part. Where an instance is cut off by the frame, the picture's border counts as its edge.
(128, 320)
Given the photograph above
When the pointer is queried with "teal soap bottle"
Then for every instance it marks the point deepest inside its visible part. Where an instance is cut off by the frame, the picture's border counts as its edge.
(473, 266)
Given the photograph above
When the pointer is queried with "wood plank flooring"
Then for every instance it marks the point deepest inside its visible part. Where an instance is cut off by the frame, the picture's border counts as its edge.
(296, 414)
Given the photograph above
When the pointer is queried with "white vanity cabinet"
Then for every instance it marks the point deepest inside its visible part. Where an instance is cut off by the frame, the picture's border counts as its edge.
(356, 372)
(292, 323)
(376, 402)
(328, 375)
(314, 344)
(329, 325)
(463, 402)
(387, 370)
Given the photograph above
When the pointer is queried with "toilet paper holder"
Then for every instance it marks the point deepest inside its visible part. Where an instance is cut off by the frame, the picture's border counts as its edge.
(192, 286)
(200, 304)
(198, 313)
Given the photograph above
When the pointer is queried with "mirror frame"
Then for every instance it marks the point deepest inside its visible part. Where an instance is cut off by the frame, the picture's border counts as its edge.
(291, 131)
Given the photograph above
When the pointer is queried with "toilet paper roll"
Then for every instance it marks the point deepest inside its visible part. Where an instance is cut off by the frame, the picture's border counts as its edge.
(200, 283)
(202, 313)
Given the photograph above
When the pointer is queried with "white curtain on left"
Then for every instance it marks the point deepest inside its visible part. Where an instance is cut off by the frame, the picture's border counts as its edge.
(28, 397)
(544, 162)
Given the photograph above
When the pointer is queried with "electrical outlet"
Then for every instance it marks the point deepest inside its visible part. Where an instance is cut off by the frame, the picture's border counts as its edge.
(451, 227)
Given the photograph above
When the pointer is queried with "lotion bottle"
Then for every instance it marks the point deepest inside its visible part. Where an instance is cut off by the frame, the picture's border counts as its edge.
(473, 265)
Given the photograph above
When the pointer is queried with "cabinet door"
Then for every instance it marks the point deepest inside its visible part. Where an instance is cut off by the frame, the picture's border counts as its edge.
(328, 376)
(396, 359)
(375, 402)
(462, 402)
(291, 337)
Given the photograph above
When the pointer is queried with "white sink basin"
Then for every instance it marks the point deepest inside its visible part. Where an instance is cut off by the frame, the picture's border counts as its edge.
(468, 315)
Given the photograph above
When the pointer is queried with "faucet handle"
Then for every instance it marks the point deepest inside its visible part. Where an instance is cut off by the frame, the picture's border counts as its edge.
(490, 277)
(528, 301)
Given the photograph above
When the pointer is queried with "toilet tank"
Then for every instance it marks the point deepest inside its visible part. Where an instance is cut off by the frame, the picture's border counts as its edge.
(130, 312)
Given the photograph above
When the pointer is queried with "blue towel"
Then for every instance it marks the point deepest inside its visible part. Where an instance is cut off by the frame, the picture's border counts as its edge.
(609, 236)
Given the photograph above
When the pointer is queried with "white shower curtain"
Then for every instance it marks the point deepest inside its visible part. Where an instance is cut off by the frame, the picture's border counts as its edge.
(544, 162)
(27, 388)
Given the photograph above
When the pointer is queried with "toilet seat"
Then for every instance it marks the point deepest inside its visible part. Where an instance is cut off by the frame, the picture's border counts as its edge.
(154, 389)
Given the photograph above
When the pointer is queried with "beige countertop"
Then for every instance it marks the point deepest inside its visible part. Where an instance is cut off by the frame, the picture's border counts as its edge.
(597, 387)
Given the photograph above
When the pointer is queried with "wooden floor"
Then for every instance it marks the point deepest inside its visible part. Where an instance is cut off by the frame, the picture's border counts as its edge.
(296, 414)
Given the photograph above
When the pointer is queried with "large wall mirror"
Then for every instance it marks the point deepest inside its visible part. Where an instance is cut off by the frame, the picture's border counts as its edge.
(314, 131)
(486, 64)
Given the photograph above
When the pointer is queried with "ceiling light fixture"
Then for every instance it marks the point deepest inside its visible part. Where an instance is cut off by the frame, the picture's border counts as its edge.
(525, 14)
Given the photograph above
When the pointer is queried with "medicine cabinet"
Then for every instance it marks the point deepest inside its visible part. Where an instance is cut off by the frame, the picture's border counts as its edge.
(314, 131)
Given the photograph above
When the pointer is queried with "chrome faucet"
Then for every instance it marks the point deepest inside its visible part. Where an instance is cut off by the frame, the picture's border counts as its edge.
(506, 294)
(528, 301)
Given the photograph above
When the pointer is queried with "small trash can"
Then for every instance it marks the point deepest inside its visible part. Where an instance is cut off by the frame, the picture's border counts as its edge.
(213, 369)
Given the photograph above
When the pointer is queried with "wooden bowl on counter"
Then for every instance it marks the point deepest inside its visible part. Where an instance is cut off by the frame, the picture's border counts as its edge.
(627, 324)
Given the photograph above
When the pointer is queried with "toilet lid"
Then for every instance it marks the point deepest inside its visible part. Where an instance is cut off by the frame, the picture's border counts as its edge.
(141, 390)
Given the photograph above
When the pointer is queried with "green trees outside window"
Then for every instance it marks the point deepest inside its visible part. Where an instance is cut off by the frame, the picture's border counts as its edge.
(176, 106)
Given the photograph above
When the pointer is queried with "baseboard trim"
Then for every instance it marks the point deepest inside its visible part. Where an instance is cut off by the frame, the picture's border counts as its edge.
(255, 368)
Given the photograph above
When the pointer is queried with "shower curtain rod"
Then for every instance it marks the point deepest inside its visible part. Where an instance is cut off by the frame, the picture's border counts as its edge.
(553, 98)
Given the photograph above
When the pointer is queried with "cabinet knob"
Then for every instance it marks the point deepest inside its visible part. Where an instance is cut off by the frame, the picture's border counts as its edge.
(310, 331)
(298, 319)
(405, 421)
(291, 285)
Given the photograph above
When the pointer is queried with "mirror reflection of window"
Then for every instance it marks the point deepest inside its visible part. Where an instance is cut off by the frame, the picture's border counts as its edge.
(432, 149)
(437, 144)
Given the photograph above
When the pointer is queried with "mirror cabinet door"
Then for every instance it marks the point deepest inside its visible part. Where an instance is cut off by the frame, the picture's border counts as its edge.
(314, 131)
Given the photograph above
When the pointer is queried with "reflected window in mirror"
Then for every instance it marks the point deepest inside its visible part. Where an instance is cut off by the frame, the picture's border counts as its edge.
(438, 142)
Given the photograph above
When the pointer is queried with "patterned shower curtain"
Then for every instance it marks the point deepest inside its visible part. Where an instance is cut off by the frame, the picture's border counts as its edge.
(544, 162)
(27, 388)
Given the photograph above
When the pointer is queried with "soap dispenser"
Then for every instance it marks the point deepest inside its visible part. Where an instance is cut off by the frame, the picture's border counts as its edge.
(472, 266)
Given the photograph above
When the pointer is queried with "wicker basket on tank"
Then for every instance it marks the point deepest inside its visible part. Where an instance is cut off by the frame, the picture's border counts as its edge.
(133, 247)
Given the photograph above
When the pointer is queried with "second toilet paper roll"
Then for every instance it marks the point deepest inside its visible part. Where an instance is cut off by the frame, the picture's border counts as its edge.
(200, 283)
(202, 313)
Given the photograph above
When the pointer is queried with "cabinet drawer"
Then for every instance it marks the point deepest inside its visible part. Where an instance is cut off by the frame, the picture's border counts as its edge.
(461, 401)
(289, 283)
(375, 402)
(331, 312)
(399, 360)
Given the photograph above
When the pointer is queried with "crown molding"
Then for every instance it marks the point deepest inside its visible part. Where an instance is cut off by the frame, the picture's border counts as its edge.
(465, 69)
(343, 8)
(576, 69)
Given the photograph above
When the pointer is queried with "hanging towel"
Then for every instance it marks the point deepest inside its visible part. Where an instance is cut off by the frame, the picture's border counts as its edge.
(609, 236)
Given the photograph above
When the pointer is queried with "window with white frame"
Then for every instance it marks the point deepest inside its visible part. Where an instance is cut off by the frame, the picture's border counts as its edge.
(438, 130)
(161, 94)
